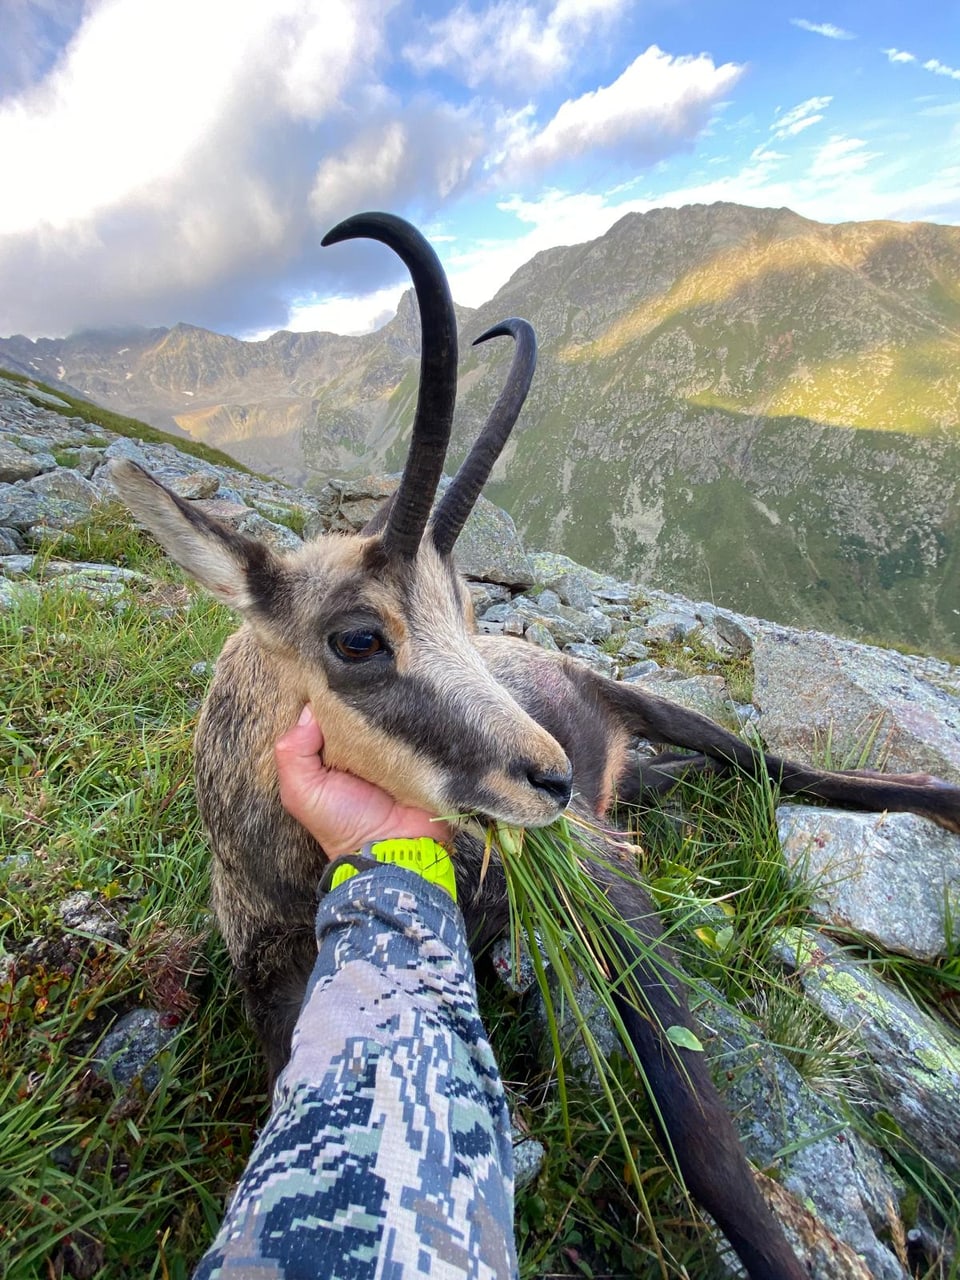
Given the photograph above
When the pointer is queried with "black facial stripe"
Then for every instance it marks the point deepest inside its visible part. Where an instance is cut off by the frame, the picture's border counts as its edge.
(406, 709)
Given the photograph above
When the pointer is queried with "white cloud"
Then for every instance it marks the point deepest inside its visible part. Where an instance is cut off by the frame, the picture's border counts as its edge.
(351, 315)
(147, 84)
(800, 117)
(840, 157)
(423, 155)
(932, 64)
(658, 103)
(823, 29)
(520, 45)
(941, 69)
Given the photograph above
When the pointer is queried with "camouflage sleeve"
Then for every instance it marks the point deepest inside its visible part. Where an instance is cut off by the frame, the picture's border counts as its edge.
(388, 1151)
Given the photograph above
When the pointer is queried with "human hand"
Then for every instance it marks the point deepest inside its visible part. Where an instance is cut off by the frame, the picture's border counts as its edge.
(339, 810)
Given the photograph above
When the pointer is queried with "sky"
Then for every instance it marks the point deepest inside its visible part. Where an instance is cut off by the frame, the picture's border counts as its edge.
(180, 160)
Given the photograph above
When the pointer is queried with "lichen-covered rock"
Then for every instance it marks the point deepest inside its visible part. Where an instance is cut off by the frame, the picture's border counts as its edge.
(707, 694)
(812, 688)
(915, 1057)
(128, 1053)
(17, 463)
(667, 626)
(893, 877)
(595, 658)
(825, 1166)
(538, 634)
(84, 913)
(573, 589)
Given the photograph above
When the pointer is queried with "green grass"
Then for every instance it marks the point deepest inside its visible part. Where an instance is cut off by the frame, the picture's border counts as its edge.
(121, 424)
(98, 798)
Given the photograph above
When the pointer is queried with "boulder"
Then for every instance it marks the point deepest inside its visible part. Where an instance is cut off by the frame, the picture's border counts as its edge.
(868, 705)
(894, 877)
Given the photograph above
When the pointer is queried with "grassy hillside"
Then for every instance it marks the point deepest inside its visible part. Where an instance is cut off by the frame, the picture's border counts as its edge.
(110, 1181)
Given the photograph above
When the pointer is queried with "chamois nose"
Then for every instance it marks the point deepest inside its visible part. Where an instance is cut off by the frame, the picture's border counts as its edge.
(558, 786)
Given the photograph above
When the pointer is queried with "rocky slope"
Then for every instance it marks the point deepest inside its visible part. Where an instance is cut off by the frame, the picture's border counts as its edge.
(833, 1186)
(737, 402)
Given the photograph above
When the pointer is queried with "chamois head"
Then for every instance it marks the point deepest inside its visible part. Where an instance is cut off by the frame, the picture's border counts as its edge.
(374, 630)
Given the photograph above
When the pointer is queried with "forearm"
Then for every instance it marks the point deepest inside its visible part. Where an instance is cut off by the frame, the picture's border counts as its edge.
(389, 1136)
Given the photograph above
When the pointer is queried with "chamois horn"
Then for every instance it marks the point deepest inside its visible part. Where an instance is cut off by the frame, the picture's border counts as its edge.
(437, 392)
(458, 501)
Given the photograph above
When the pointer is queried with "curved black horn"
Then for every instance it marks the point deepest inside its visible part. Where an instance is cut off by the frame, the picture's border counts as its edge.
(458, 501)
(438, 373)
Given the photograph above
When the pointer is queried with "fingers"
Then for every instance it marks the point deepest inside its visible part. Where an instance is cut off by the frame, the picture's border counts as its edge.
(341, 811)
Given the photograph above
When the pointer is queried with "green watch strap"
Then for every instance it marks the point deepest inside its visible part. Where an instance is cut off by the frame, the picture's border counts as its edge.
(424, 856)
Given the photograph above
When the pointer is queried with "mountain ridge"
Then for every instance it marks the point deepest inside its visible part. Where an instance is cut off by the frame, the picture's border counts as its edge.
(741, 403)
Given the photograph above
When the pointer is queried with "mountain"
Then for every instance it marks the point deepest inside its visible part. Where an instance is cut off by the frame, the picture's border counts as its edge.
(740, 403)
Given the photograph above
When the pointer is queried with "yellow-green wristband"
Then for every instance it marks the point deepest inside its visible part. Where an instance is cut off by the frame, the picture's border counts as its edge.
(424, 856)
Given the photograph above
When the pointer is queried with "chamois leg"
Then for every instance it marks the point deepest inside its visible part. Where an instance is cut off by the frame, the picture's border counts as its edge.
(274, 971)
(663, 721)
(691, 1112)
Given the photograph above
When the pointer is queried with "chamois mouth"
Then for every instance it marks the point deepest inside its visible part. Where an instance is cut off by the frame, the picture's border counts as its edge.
(524, 794)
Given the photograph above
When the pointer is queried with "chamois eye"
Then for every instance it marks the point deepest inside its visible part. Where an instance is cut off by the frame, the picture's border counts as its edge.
(359, 645)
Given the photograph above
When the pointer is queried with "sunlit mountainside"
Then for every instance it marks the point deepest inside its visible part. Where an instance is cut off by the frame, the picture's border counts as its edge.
(739, 403)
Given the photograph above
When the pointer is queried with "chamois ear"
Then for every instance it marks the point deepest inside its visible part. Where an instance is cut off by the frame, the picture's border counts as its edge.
(240, 572)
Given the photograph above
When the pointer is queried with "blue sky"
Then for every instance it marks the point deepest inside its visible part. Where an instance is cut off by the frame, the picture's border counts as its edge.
(169, 160)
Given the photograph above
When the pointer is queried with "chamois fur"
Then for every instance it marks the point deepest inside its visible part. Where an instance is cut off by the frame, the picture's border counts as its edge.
(376, 632)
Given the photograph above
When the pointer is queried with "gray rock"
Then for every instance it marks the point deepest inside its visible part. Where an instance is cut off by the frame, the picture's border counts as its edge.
(639, 671)
(593, 657)
(10, 542)
(669, 626)
(633, 644)
(14, 594)
(64, 497)
(85, 460)
(894, 877)
(192, 484)
(46, 398)
(347, 504)
(17, 463)
(486, 594)
(733, 632)
(548, 567)
(538, 634)
(17, 566)
(20, 509)
(128, 1052)
(121, 447)
(813, 688)
(528, 1159)
(84, 913)
(499, 611)
(916, 1057)
(592, 625)
(489, 548)
(277, 536)
(775, 1111)
(573, 589)
(707, 694)
(548, 600)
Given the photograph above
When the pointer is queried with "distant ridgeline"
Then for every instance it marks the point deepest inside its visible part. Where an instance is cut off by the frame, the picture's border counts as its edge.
(737, 403)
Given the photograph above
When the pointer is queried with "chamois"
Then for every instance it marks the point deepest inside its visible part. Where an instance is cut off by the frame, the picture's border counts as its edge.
(376, 631)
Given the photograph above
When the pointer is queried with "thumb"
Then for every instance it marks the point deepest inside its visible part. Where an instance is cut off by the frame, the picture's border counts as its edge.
(297, 755)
